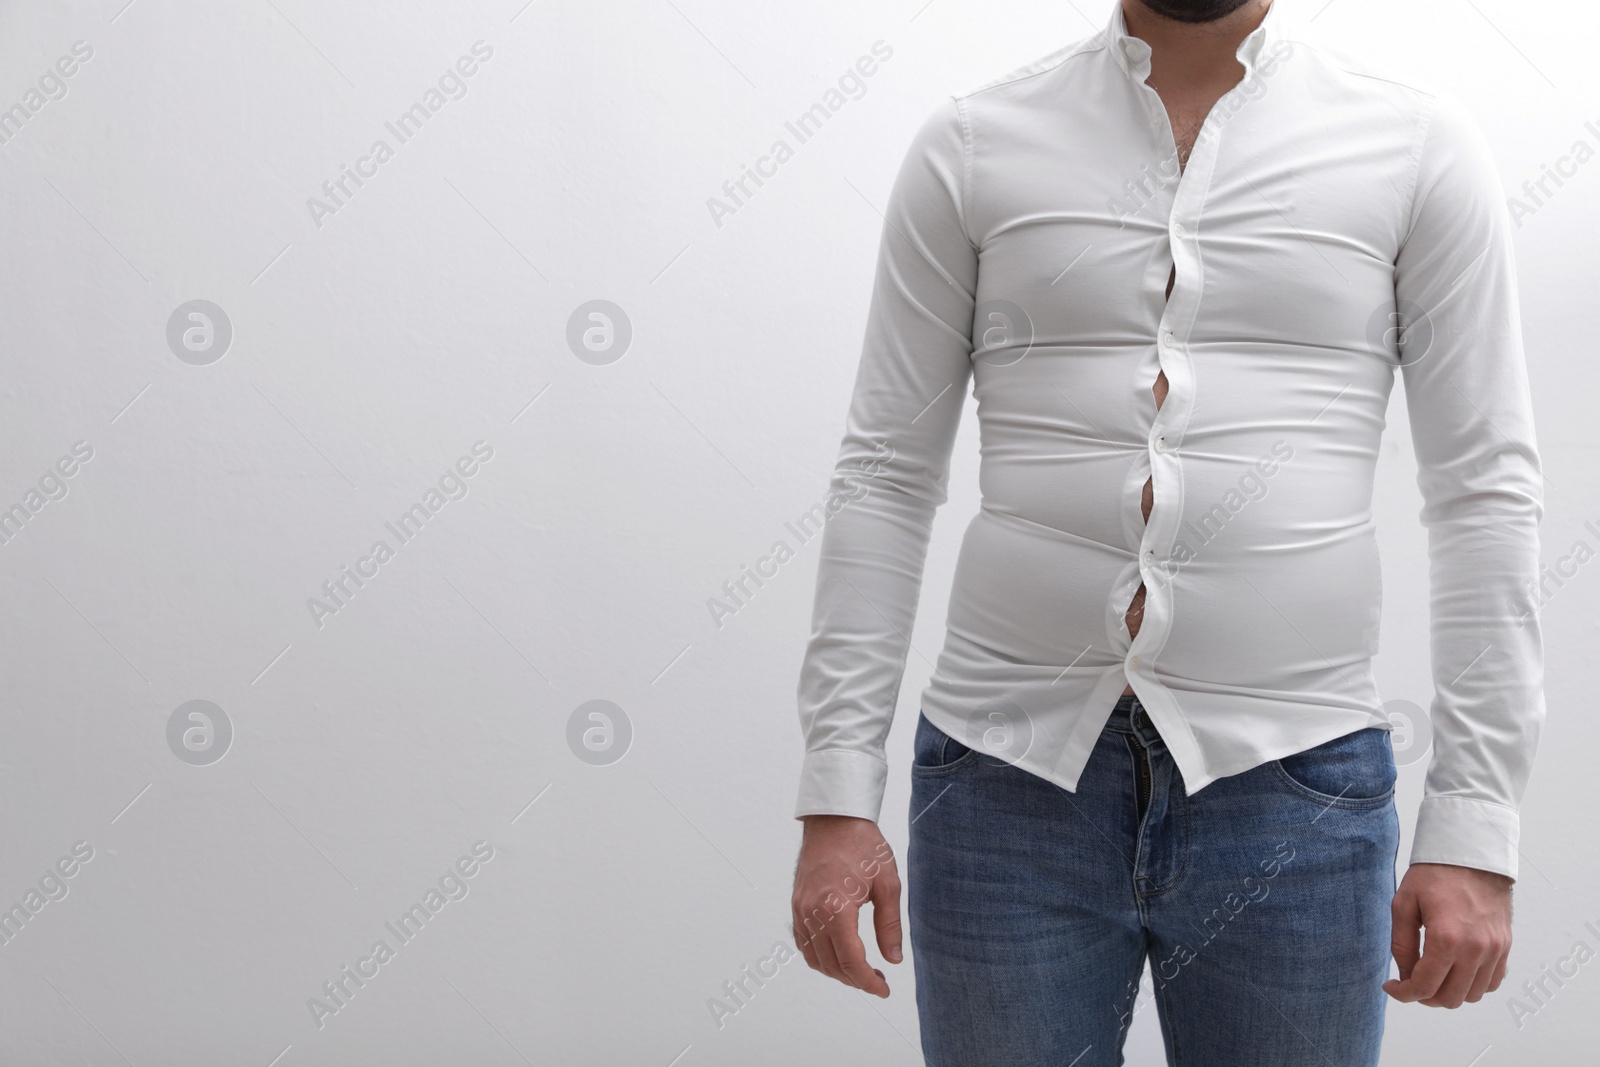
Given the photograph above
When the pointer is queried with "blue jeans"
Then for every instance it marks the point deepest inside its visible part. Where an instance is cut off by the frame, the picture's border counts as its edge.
(1261, 904)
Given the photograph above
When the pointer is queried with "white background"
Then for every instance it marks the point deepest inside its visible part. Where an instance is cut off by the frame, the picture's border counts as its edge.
(430, 312)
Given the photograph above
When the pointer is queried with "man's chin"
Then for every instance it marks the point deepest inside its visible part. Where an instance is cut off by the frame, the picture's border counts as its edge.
(1196, 11)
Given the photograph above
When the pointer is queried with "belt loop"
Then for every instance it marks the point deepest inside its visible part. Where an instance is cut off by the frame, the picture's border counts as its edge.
(1139, 713)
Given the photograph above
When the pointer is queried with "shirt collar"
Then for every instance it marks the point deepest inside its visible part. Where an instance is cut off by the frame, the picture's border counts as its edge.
(1133, 54)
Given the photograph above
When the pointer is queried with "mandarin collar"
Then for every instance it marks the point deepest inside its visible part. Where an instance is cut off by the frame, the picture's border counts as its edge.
(1133, 54)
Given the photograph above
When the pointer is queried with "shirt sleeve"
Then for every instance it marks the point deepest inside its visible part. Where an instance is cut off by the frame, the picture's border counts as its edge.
(1466, 388)
(891, 474)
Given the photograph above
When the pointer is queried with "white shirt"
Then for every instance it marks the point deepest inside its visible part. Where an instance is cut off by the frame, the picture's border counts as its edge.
(1320, 202)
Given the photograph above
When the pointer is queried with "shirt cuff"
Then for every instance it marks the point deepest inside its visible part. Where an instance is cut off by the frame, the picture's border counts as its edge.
(841, 781)
(1467, 833)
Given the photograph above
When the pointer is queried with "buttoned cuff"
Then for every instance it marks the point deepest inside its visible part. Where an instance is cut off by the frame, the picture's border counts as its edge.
(841, 781)
(1467, 833)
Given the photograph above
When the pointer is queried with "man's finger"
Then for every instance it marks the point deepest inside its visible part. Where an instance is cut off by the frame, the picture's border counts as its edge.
(826, 955)
(1405, 937)
(852, 956)
(1499, 972)
(886, 914)
(803, 941)
(1481, 980)
(1456, 985)
(1426, 977)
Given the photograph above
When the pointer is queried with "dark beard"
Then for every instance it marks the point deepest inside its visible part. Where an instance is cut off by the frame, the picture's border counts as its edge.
(1194, 10)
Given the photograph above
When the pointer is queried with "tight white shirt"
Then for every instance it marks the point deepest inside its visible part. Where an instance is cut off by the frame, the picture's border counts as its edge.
(1327, 218)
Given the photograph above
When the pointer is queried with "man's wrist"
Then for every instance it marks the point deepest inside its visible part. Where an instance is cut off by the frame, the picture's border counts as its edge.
(823, 822)
(1491, 876)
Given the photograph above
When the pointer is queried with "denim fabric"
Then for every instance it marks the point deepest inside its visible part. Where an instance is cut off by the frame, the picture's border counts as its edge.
(1261, 904)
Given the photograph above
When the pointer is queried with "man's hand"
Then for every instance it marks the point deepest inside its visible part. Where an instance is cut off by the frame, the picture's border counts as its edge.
(1467, 913)
(844, 862)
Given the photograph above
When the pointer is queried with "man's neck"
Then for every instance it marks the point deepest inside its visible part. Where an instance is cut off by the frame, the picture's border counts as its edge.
(1193, 53)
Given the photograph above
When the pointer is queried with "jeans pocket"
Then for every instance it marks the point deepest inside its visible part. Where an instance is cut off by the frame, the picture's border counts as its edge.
(1356, 770)
(936, 753)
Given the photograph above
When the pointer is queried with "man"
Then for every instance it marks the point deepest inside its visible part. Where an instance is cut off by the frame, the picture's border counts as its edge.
(1180, 264)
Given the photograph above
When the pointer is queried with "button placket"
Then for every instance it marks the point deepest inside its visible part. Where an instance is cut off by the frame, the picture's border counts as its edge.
(1160, 530)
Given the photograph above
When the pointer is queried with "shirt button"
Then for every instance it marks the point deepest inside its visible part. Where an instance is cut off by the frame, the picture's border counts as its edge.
(1134, 663)
(1161, 444)
(1169, 339)
(1177, 228)
(1149, 557)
